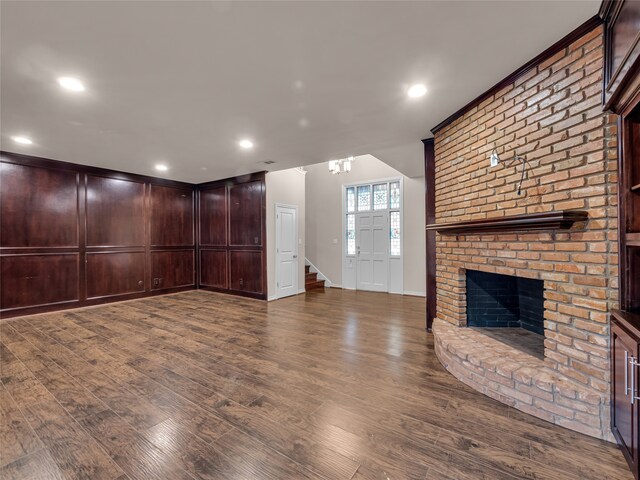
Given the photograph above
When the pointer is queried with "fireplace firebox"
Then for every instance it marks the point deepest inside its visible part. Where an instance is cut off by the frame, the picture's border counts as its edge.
(495, 300)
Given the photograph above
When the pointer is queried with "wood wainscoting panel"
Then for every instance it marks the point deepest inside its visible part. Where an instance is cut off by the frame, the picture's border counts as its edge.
(246, 269)
(39, 207)
(245, 214)
(213, 269)
(38, 279)
(232, 235)
(115, 212)
(213, 216)
(172, 269)
(114, 273)
(171, 216)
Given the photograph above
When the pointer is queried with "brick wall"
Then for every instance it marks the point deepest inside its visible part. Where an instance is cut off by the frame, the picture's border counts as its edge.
(552, 116)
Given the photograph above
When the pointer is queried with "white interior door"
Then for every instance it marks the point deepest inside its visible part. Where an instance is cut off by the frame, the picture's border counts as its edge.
(286, 251)
(372, 251)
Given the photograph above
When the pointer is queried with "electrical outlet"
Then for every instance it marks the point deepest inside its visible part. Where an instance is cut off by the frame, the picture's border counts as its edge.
(494, 159)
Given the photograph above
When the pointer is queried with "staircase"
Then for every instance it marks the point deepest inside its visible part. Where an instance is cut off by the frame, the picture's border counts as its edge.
(311, 281)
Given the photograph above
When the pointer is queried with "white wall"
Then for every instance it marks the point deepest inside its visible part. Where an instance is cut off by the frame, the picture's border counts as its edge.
(324, 214)
(286, 187)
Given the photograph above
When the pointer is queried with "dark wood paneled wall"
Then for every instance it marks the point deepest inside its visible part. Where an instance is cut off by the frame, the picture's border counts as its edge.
(72, 235)
(232, 236)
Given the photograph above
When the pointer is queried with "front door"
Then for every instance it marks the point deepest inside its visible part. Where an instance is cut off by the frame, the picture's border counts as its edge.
(372, 251)
(286, 251)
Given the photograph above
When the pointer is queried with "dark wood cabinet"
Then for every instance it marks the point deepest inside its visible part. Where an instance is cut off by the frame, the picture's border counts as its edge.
(621, 95)
(625, 400)
(232, 231)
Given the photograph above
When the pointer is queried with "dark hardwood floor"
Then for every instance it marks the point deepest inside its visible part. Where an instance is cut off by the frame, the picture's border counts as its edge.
(334, 384)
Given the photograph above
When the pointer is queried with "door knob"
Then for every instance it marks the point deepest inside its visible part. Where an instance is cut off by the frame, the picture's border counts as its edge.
(295, 256)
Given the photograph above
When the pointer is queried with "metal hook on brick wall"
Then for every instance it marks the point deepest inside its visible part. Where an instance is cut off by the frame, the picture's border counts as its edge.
(517, 158)
(524, 169)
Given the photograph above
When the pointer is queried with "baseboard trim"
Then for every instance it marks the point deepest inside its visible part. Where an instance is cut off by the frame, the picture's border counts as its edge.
(275, 297)
(414, 294)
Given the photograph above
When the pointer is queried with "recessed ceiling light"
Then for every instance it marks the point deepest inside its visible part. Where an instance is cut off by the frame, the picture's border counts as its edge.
(246, 144)
(161, 167)
(417, 90)
(71, 83)
(22, 140)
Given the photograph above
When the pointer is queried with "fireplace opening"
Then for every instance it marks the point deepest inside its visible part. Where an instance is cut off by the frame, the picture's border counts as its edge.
(511, 309)
(495, 300)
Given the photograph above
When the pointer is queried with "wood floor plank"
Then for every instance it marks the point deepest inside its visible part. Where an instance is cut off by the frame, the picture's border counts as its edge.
(334, 385)
(17, 439)
(75, 453)
(36, 466)
(139, 458)
(259, 460)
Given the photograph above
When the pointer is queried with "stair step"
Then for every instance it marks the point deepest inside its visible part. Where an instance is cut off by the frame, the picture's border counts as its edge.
(310, 276)
(306, 268)
(315, 285)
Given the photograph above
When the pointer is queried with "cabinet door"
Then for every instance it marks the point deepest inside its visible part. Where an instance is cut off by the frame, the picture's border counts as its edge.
(625, 378)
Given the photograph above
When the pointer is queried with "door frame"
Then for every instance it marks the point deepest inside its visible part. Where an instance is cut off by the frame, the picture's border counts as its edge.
(345, 258)
(276, 247)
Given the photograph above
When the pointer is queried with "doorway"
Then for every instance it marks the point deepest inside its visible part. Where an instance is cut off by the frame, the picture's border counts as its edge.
(286, 250)
(372, 253)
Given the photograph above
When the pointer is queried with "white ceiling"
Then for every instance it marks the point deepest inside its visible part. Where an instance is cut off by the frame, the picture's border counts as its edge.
(182, 82)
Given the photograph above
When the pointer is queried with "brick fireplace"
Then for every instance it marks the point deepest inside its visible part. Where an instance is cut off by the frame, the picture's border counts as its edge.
(552, 116)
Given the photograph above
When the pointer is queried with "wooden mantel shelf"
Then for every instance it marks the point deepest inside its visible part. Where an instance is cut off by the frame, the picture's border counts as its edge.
(561, 219)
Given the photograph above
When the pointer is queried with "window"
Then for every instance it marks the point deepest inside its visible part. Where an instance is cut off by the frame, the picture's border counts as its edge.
(394, 197)
(364, 198)
(380, 196)
(351, 199)
(394, 234)
(351, 234)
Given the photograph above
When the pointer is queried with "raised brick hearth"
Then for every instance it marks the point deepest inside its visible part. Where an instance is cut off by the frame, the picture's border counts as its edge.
(552, 116)
(518, 378)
